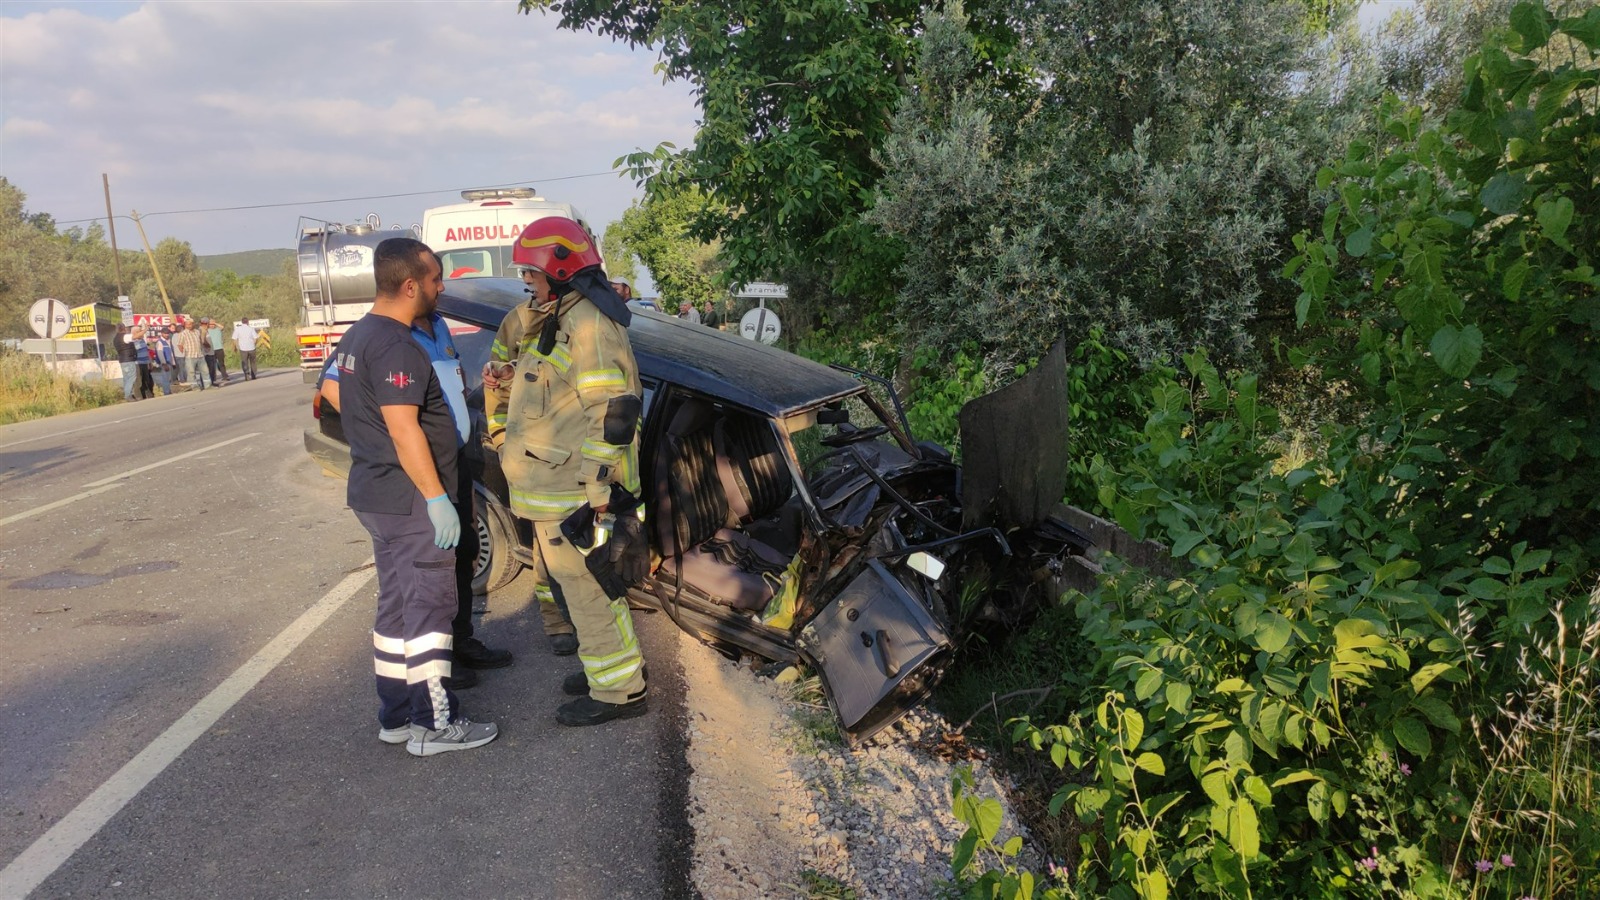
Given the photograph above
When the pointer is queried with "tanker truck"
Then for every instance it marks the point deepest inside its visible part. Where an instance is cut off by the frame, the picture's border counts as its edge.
(336, 284)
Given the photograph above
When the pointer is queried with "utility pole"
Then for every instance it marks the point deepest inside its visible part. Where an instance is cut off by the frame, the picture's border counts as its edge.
(111, 226)
(153, 267)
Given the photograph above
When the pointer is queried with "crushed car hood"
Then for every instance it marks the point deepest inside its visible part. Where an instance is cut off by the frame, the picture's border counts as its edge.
(1014, 448)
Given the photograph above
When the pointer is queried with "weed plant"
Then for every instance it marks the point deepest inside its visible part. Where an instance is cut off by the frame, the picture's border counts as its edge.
(31, 390)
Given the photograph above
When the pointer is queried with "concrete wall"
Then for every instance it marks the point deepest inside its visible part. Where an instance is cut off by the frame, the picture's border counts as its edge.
(1081, 574)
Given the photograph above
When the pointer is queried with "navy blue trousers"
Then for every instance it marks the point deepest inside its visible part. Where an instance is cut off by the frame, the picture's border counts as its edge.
(411, 637)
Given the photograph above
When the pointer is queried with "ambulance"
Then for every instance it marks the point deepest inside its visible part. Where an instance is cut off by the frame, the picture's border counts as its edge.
(474, 238)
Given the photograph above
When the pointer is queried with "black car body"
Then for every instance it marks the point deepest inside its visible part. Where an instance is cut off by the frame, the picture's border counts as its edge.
(790, 511)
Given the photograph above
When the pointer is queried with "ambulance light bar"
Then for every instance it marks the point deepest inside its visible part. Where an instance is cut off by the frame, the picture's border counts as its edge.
(519, 193)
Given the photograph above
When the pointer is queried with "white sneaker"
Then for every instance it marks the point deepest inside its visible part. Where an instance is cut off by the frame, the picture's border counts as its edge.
(394, 735)
(459, 735)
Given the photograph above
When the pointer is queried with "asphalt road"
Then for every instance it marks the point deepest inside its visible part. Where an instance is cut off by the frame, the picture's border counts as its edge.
(186, 698)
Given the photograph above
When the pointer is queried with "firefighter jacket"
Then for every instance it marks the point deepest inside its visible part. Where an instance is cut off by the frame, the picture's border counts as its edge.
(567, 425)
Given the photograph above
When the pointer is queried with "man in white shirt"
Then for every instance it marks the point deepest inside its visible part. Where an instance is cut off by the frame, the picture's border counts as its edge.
(244, 337)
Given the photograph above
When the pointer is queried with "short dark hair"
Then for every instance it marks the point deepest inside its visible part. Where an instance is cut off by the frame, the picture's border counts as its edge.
(398, 259)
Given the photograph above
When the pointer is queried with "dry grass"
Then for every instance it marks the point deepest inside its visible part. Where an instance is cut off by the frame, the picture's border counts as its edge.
(1543, 787)
(29, 390)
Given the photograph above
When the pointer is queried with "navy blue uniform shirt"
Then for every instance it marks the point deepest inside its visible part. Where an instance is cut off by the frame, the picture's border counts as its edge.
(380, 364)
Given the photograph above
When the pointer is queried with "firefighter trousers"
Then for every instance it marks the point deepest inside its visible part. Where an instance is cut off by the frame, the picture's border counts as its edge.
(552, 609)
(607, 645)
(411, 635)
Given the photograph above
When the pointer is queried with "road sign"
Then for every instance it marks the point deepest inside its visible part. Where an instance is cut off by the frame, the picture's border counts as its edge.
(82, 322)
(761, 324)
(260, 323)
(50, 318)
(125, 303)
(763, 290)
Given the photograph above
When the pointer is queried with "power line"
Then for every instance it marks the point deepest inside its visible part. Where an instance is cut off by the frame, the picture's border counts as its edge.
(184, 212)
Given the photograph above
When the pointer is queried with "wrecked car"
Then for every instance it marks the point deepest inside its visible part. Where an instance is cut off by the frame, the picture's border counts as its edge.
(791, 512)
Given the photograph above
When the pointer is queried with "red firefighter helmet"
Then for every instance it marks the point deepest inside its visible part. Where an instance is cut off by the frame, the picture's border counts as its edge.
(556, 246)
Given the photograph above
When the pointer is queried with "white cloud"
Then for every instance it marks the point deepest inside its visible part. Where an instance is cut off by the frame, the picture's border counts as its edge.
(204, 104)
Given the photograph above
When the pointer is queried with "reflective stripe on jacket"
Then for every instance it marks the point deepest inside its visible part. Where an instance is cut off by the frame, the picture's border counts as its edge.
(559, 449)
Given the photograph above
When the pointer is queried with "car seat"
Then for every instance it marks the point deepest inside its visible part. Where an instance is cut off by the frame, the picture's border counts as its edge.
(707, 457)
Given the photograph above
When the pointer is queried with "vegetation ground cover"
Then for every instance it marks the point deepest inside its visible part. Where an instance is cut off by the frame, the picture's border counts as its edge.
(30, 390)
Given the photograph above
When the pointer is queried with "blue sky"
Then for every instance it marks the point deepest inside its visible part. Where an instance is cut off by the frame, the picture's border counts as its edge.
(193, 105)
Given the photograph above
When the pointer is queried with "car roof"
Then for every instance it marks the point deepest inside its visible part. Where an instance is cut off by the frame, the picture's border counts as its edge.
(763, 379)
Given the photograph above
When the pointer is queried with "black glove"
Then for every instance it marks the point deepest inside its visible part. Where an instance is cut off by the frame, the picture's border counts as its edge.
(624, 560)
(630, 549)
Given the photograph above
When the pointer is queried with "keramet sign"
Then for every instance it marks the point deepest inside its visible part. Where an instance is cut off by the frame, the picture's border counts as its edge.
(763, 290)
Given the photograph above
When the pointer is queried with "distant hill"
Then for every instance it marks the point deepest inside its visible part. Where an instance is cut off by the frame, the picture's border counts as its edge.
(248, 262)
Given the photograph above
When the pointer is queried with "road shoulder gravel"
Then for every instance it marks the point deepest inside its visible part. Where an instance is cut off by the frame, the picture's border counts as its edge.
(781, 808)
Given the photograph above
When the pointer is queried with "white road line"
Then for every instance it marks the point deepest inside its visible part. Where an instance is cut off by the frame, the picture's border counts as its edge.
(106, 484)
(98, 425)
(172, 459)
(56, 505)
(47, 854)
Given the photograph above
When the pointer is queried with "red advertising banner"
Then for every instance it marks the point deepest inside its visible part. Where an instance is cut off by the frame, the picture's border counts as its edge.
(148, 320)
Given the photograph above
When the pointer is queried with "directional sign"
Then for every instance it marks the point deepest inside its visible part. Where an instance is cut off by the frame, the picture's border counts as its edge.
(50, 318)
(761, 324)
(763, 290)
(260, 323)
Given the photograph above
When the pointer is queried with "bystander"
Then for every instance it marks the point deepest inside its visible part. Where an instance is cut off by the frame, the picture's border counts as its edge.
(244, 338)
(217, 356)
(190, 347)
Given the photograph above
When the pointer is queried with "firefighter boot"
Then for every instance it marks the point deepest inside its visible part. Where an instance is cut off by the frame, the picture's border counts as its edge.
(589, 711)
(577, 684)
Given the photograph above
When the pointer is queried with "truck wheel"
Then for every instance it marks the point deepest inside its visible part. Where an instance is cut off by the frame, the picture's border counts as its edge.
(495, 566)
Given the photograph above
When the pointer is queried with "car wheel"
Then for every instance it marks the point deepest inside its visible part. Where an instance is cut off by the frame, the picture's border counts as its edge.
(495, 566)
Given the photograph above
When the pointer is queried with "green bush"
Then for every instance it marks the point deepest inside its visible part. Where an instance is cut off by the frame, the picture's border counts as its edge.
(1453, 282)
(1303, 711)
(1374, 674)
(1297, 696)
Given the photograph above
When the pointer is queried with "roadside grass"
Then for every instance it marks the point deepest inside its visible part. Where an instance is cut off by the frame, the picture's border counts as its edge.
(285, 352)
(815, 885)
(1542, 787)
(1031, 672)
(819, 727)
(29, 390)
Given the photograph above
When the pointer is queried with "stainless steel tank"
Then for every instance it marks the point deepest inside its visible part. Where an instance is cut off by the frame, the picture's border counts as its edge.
(336, 266)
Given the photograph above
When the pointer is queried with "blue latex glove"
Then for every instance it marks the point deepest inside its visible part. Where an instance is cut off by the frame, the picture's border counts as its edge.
(446, 524)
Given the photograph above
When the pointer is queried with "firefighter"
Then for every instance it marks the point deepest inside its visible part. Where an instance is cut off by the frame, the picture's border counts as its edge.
(563, 410)
(503, 356)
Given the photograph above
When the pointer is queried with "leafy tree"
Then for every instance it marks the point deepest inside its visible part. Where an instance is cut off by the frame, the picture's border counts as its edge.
(36, 262)
(620, 261)
(1420, 49)
(1144, 181)
(1322, 699)
(658, 231)
(795, 96)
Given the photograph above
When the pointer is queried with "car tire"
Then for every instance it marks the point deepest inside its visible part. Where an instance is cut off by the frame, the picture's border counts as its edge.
(495, 565)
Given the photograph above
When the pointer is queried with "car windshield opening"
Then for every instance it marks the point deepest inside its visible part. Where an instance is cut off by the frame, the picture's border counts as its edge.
(822, 433)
